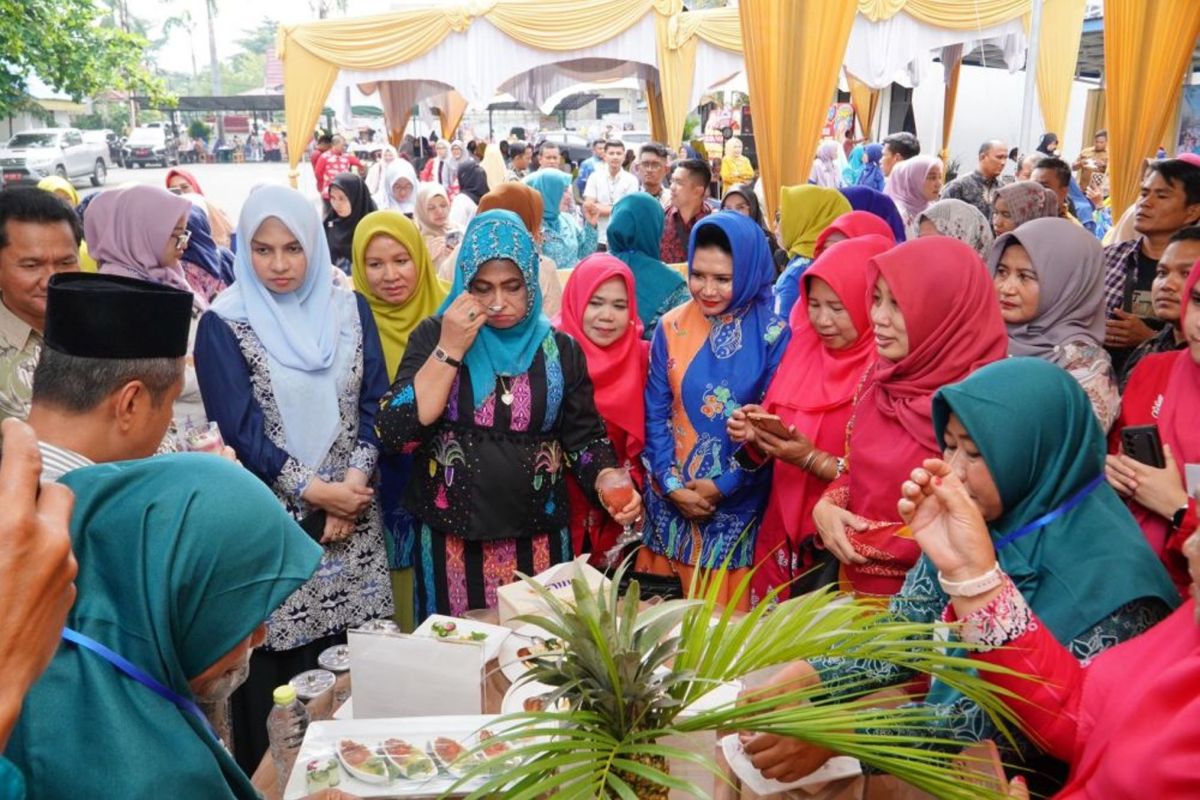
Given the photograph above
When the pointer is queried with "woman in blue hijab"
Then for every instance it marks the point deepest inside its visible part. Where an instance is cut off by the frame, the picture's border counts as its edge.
(863, 199)
(291, 370)
(495, 406)
(207, 266)
(855, 163)
(872, 174)
(715, 353)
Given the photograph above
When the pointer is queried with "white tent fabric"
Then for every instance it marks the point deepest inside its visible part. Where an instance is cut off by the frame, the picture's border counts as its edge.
(533, 88)
(896, 49)
(471, 61)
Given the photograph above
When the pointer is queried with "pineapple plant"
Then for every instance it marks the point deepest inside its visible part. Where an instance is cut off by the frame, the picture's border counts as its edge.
(626, 674)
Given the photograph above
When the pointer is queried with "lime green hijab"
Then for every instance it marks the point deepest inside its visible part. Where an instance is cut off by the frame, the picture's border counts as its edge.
(805, 211)
(1087, 562)
(396, 322)
(180, 558)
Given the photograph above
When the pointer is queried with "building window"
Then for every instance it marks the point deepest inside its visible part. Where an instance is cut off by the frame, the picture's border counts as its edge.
(607, 105)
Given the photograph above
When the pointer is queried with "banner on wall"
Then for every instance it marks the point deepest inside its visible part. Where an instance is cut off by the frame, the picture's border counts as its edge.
(838, 120)
(1189, 122)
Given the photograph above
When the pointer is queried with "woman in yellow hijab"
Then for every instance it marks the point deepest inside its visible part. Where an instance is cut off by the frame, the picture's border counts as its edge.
(805, 211)
(392, 269)
(69, 195)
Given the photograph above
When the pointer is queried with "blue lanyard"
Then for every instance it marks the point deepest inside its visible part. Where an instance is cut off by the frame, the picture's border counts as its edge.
(124, 665)
(1049, 517)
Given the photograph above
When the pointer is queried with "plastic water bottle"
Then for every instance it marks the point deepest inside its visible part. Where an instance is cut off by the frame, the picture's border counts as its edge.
(286, 726)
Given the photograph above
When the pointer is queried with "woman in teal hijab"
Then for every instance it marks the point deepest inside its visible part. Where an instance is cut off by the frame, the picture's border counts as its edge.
(495, 406)
(169, 579)
(564, 240)
(1061, 534)
(634, 232)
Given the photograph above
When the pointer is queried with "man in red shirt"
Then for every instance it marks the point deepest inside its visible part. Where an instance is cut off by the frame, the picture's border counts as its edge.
(689, 186)
(334, 162)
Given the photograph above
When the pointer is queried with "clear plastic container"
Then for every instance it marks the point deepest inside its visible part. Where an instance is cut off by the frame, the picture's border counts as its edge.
(286, 725)
(312, 684)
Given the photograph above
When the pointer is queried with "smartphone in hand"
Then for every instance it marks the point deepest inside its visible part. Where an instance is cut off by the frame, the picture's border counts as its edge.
(771, 423)
(1142, 443)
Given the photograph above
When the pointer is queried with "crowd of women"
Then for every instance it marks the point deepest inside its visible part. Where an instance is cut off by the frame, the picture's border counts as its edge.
(447, 413)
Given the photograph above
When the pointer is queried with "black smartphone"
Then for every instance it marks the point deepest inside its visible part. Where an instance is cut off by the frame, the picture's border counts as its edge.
(1142, 443)
(749, 458)
(314, 524)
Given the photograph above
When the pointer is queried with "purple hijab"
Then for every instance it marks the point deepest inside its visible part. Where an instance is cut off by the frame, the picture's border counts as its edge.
(906, 185)
(127, 230)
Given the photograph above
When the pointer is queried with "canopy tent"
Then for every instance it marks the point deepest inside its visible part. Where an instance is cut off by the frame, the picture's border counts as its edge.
(678, 54)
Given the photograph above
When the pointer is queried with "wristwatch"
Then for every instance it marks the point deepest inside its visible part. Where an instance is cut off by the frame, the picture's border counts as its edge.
(1177, 519)
(975, 586)
(444, 357)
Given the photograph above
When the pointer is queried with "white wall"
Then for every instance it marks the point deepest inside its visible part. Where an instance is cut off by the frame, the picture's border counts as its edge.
(989, 107)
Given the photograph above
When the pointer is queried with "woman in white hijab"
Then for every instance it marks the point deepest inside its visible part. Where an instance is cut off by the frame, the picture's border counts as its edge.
(375, 173)
(399, 191)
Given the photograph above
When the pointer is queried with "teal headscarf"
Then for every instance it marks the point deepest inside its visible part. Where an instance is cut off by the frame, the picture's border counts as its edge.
(500, 234)
(635, 232)
(1091, 560)
(180, 558)
(854, 166)
(552, 185)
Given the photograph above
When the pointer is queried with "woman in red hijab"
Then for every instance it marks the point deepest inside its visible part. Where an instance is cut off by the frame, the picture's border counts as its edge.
(852, 225)
(1164, 390)
(831, 338)
(599, 310)
(182, 182)
(936, 320)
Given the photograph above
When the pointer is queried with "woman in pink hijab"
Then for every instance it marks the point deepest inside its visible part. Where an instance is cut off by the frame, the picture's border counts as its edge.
(913, 185)
(141, 232)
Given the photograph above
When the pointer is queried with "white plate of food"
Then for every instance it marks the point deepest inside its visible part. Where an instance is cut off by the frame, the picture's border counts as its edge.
(404, 757)
(531, 697)
(456, 629)
(522, 645)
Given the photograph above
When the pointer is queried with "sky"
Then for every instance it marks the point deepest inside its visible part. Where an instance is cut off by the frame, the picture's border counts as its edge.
(234, 16)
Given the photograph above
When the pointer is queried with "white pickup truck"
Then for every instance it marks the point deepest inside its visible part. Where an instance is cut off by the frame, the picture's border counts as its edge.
(34, 154)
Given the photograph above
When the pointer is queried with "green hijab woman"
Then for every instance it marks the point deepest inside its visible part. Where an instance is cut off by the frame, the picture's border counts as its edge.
(181, 557)
(634, 232)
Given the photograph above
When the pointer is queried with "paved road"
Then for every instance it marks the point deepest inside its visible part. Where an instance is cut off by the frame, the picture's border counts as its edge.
(224, 184)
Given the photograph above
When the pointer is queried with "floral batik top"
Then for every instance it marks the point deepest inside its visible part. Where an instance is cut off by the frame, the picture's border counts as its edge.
(497, 471)
(686, 413)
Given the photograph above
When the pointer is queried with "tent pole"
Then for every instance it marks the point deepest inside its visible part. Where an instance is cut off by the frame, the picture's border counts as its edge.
(1024, 143)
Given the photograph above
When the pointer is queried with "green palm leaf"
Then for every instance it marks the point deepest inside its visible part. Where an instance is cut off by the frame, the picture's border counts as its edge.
(630, 673)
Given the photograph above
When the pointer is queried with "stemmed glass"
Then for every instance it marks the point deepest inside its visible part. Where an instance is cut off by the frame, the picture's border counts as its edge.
(616, 490)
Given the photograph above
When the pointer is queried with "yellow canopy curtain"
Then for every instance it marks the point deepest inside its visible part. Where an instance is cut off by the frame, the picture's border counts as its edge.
(794, 51)
(952, 63)
(450, 107)
(1058, 50)
(866, 103)
(1147, 46)
(312, 53)
(677, 37)
(953, 14)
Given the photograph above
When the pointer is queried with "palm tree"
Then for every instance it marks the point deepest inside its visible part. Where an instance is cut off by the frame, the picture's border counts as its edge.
(185, 21)
(321, 7)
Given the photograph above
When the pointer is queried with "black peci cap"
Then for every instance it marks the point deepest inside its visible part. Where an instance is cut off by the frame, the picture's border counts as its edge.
(109, 316)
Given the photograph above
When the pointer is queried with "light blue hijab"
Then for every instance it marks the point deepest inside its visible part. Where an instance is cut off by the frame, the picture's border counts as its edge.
(308, 335)
(500, 234)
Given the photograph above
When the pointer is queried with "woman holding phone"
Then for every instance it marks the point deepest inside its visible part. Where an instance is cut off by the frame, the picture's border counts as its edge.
(1164, 390)
(801, 423)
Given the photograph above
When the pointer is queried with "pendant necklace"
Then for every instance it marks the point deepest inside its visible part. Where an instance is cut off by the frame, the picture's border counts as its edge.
(506, 396)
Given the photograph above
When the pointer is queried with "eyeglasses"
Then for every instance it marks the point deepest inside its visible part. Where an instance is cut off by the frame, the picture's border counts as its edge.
(182, 239)
(651, 165)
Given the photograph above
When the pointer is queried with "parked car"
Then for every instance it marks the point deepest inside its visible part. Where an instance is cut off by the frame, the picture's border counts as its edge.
(111, 142)
(575, 148)
(151, 145)
(32, 155)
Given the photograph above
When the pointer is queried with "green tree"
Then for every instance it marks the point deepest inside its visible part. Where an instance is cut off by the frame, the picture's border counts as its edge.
(261, 38)
(64, 43)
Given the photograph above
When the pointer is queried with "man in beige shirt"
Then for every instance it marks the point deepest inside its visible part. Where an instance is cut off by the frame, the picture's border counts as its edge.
(39, 236)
